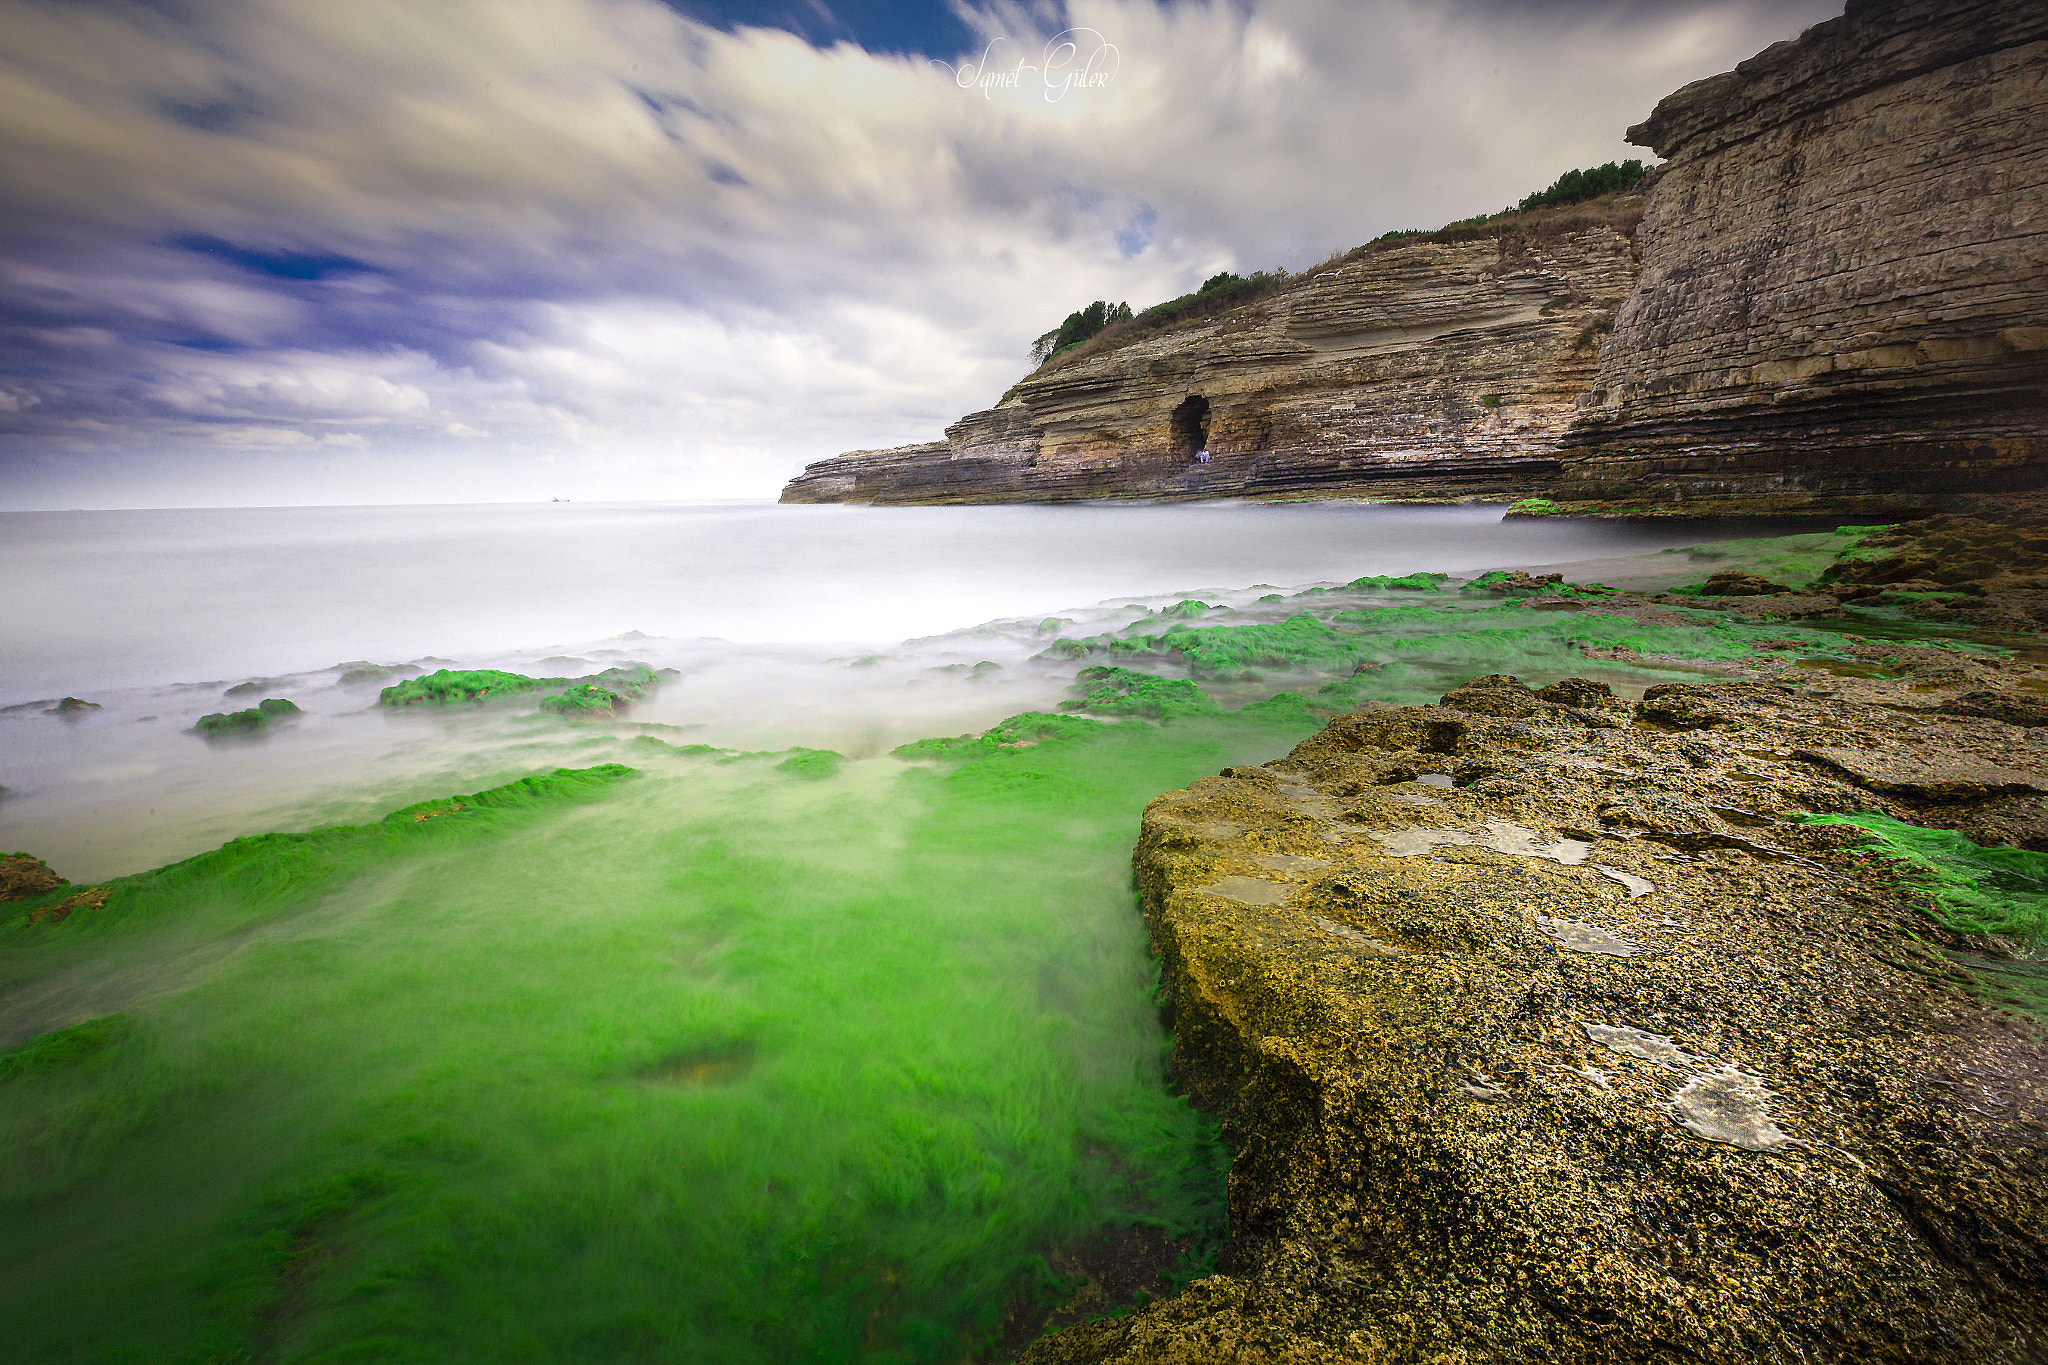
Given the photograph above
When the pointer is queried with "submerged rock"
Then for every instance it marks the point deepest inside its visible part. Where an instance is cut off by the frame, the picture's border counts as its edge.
(252, 721)
(1603, 1053)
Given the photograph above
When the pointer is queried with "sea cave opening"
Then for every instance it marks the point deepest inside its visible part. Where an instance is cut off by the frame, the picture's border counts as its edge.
(1190, 428)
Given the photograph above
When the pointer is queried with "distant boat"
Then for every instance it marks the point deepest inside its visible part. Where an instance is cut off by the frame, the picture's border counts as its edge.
(557, 499)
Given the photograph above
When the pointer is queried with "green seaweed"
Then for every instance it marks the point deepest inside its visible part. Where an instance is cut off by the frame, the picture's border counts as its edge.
(64, 1047)
(714, 1066)
(258, 717)
(450, 686)
(584, 701)
(447, 686)
(1972, 889)
(1121, 692)
(1414, 582)
(814, 764)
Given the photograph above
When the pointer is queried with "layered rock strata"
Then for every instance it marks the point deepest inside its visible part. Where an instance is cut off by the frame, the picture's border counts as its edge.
(1844, 297)
(1434, 369)
(1547, 1030)
(1843, 308)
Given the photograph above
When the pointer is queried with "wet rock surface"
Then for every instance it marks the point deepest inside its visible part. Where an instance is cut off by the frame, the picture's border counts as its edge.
(23, 875)
(1545, 1029)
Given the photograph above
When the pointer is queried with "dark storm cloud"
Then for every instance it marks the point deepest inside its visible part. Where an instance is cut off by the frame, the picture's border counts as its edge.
(385, 250)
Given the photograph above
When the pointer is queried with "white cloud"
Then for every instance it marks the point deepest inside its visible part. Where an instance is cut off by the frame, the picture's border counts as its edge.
(262, 438)
(595, 230)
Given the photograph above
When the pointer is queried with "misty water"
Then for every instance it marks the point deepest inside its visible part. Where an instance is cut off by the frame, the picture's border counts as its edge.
(710, 1052)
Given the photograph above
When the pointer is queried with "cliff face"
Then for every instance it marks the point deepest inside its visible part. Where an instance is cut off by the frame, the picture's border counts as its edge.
(1438, 369)
(1843, 306)
(1844, 295)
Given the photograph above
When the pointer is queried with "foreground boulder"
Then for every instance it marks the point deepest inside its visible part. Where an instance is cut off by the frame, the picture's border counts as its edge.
(1547, 1029)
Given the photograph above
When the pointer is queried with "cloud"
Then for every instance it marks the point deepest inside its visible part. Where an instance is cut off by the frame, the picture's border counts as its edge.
(673, 257)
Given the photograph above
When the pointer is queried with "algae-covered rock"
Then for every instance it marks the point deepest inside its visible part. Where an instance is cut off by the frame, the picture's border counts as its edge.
(359, 671)
(23, 875)
(1414, 582)
(257, 718)
(1547, 1039)
(585, 701)
(812, 764)
(448, 685)
(1736, 583)
(1123, 692)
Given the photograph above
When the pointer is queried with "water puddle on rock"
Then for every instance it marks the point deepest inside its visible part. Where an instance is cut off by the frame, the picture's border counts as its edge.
(1499, 835)
(1730, 1106)
(1248, 890)
(1291, 862)
(1637, 886)
(1721, 1104)
(1582, 937)
(1351, 935)
(1648, 1047)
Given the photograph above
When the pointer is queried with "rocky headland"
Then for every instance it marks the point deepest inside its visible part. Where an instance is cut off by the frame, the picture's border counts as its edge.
(1428, 368)
(1835, 300)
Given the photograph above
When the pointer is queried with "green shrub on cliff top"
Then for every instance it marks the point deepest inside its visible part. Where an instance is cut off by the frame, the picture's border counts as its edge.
(1577, 186)
(1080, 325)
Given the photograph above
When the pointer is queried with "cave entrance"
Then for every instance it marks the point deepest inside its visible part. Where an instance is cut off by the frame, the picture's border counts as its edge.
(1190, 428)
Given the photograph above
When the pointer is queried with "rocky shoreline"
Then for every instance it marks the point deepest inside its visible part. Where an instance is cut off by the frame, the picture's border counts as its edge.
(1553, 1026)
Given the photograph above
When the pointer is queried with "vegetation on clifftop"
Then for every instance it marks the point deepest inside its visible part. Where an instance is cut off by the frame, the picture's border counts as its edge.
(1598, 196)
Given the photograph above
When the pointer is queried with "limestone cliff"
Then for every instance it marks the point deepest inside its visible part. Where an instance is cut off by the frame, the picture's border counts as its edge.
(1439, 368)
(1842, 306)
(1844, 292)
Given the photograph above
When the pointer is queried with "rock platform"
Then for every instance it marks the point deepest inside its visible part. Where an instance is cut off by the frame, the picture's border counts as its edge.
(1547, 1028)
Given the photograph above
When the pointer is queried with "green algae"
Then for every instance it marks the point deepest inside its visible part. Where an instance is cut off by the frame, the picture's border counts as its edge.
(64, 1047)
(1972, 889)
(1414, 582)
(584, 701)
(705, 1065)
(1796, 560)
(1122, 692)
(1404, 652)
(813, 764)
(447, 686)
(257, 718)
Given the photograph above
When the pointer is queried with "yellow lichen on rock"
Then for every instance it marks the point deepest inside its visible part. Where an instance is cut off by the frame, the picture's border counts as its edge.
(1470, 1128)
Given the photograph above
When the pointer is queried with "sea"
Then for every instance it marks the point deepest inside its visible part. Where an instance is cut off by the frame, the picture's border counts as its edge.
(779, 1019)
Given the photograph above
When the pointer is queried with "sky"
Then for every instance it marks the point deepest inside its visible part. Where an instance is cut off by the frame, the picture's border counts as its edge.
(294, 252)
